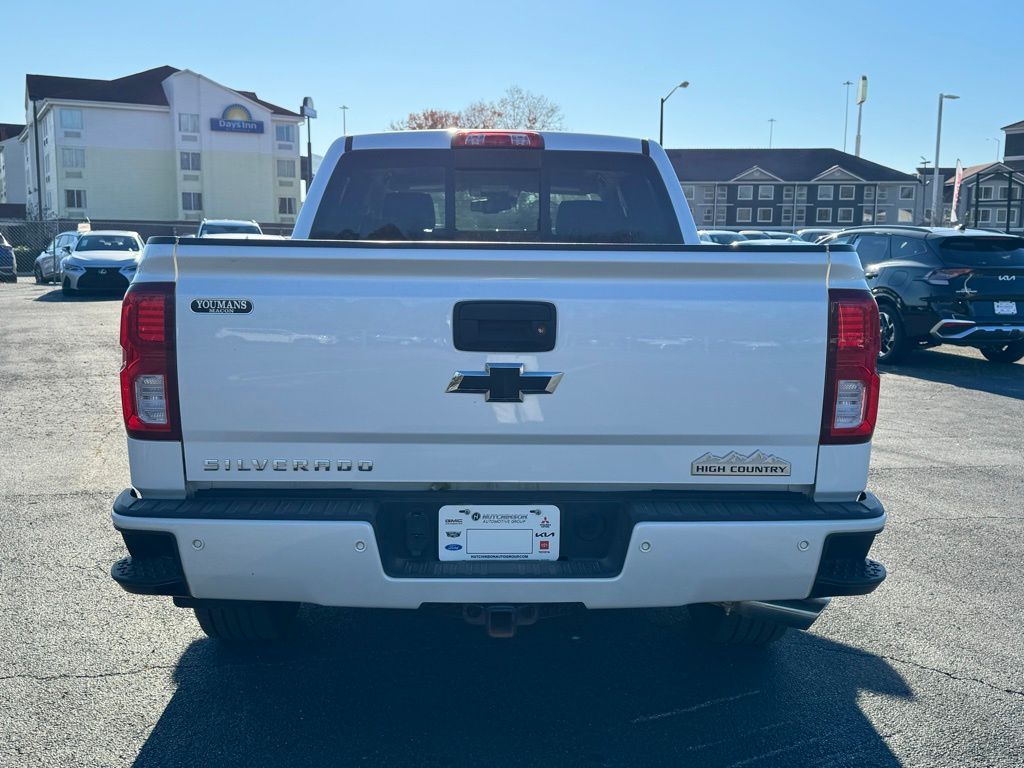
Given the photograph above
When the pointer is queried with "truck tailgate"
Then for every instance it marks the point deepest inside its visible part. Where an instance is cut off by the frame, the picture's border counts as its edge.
(674, 361)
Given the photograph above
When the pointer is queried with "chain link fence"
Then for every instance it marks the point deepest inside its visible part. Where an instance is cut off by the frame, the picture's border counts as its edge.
(32, 238)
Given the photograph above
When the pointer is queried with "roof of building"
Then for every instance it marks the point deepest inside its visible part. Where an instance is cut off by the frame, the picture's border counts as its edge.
(786, 164)
(10, 130)
(982, 169)
(140, 88)
(1013, 126)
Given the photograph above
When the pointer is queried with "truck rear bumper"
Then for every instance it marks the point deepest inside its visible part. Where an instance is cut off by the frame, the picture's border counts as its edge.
(710, 550)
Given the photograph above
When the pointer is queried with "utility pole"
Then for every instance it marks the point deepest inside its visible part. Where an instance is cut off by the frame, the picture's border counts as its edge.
(771, 131)
(846, 118)
(308, 111)
(862, 96)
(924, 186)
(997, 147)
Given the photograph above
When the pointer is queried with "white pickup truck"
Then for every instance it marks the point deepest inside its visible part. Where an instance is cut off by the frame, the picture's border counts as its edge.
(496, 373)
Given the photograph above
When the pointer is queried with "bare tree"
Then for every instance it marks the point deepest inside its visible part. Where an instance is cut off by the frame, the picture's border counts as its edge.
(426, 119)
(520, 108)
(516, 109)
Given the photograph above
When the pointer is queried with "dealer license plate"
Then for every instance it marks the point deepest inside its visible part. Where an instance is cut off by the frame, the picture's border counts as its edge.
(498, 532)
(1006, 307)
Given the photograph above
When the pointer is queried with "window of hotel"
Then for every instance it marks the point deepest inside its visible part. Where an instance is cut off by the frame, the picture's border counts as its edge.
(190, 161)
(1001, 216)
(823, 216)
(906, 192)
(709, 194)
(74, 198)
(787, 193)
(72, 157)
(801, 215)
(787, 215)
(745, 192)
(71, 118)
(707, 214)
(721, 194)
(286, 169)
(742, 215)
(720, 215)
(985, 215)
(845, 216)
(192, 201)
(688, 192)
(869, 194)
(883, 194)
(904, 216)
(188, 122)
(867, 217)
(285, 133)
(764, 215)
(847, 192)
(765, 193)
(882, 216)
(1002, 193)
(801, 194)
(987, 192)
(825, 193)
(286, 205)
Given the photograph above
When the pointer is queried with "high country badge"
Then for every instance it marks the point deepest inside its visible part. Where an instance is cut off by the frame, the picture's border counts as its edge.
(735, 464)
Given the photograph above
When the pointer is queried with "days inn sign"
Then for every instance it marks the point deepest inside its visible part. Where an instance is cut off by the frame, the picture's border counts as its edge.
(237, 119)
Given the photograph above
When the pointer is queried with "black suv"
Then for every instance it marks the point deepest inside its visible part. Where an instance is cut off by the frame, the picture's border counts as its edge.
(944, 286)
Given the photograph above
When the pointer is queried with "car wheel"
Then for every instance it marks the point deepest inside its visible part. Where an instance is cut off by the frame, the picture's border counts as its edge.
(66, 288)
(38, 274)
(894, 343)
(1004, 353)
(711, 624)
(247, 623)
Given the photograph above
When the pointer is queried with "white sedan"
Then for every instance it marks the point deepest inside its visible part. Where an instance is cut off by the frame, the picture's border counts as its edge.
(101, 261)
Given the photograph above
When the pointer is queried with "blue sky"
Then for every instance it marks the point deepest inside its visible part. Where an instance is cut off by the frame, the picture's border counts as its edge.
(607, 64)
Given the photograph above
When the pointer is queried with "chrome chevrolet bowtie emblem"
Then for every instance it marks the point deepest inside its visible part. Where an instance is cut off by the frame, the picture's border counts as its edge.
(504, 382)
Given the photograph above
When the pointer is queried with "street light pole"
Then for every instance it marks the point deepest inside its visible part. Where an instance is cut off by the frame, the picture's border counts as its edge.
(997, 147)
(661, 122)
(771, 131)
(846, 119)
(936, 212)
(344, 122)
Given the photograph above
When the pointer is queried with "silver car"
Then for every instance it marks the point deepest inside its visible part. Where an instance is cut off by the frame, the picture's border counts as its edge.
(47, 265)
(101, 261)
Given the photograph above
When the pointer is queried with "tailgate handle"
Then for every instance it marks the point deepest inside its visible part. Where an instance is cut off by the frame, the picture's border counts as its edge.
(504, 326)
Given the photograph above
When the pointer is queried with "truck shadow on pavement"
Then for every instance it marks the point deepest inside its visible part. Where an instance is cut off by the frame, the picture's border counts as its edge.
(596, 689)
(961, 371)
(57, 295)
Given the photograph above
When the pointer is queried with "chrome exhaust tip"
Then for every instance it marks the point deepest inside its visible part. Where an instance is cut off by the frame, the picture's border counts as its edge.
(799, 614)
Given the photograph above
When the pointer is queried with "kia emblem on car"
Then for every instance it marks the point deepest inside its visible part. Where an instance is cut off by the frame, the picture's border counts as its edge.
(504, 382)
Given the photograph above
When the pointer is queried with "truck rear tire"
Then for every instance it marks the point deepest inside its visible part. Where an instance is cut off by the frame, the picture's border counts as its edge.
(711, 624)
(246, 623)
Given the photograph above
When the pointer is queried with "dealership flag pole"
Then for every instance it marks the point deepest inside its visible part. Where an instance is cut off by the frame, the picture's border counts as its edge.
(953, 218)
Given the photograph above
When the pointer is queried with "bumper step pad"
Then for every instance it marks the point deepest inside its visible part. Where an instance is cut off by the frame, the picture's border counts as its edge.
(150, 576)
(838, 578)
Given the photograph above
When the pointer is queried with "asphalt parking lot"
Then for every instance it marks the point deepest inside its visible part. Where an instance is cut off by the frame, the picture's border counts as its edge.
(928, 671)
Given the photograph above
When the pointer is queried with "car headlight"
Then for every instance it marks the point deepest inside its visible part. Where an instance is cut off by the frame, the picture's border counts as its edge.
(71, 267)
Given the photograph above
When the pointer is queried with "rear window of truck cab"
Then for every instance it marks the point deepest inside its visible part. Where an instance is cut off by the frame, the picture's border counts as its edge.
(496, 195)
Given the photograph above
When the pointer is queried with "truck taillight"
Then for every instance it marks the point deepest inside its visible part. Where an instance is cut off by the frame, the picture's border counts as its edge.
(851, 374)
(498, 139)
(149, 385)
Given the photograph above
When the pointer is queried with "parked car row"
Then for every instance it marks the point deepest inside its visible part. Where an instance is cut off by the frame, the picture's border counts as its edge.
(764, 237)
(8, 270)
(105, 260)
